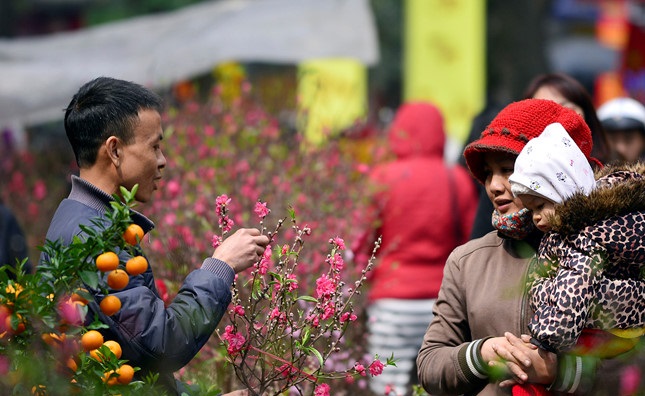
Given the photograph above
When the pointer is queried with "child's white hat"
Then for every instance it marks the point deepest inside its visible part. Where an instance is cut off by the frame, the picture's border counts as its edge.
(552, 166)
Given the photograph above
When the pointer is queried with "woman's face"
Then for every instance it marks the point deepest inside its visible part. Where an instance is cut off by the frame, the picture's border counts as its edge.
(498, 167)
(550, 93)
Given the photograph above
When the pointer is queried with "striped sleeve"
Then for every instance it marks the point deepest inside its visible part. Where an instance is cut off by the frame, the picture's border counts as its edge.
(575, 373)
(471, 362)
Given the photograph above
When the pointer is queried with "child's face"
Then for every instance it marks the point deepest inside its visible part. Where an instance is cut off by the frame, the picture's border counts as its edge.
(541, 208)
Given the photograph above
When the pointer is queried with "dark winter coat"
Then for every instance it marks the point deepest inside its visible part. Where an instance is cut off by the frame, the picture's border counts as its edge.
(153, 337)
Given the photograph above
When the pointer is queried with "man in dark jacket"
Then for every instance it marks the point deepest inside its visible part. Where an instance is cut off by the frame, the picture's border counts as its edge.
(115, 130)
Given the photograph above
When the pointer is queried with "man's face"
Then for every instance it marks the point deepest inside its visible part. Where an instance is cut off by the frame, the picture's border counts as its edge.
(143, 159)
(628, 144)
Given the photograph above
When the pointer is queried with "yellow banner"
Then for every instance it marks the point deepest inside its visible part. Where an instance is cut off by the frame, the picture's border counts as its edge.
(331, 96)
(444, 58)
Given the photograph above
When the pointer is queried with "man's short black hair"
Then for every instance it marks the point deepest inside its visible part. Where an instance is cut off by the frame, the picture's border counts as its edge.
(102, 108)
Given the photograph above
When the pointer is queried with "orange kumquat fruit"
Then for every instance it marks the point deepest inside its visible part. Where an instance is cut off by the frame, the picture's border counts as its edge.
(53, 339)
(136, 265)
(20, 326)
(118, 279)
(107, 261)
(78, 297)
(126, 373)
(71, 364)
(91, 340)
(133, 234)
(110, 379)
(110, 305)
(114, 347)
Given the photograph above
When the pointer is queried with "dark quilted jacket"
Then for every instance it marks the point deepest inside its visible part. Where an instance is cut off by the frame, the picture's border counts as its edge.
(153, 337)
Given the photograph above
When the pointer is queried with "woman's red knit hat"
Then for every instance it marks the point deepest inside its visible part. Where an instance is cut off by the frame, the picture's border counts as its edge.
(521, 121)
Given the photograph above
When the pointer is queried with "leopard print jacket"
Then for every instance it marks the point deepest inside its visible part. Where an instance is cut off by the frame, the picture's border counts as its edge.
(588, 272)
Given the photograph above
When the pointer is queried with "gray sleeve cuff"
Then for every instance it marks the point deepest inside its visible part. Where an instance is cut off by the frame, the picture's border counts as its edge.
(471, 362)
(219, 268)
(575, 373)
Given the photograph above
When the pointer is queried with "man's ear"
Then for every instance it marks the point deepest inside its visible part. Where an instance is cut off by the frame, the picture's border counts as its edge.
(113, 146)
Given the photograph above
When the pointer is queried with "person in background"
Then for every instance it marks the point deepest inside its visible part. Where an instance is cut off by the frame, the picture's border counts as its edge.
(570, 93)
(624, 120)
(13, 244)
(472, 346)
(586, 277)
(114, 128)
(422, 208)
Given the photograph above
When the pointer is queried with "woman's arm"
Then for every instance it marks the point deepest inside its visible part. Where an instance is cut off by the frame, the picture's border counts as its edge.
(449, 361)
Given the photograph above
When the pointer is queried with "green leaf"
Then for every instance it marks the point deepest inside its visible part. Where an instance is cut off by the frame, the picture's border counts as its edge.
(257, 289)
(307, 298)
(276, 276)
(391, 361)
(318, 355)
(305, 336)
(128, 196)
(90, 278)
(97, 324)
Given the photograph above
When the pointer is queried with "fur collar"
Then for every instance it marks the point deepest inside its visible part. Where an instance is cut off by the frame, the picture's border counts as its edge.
(621, 190)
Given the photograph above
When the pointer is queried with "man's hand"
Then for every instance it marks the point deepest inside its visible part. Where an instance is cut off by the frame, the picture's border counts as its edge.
(523, 361)
(242, 249)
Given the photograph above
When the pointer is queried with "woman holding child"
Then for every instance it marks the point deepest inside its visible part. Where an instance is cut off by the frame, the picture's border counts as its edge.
(483, 305)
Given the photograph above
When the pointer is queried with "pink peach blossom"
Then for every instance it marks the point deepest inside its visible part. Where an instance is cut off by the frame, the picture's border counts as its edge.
(322, 390)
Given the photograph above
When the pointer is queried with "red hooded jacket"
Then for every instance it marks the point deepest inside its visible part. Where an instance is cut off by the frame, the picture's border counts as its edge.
(424, 207)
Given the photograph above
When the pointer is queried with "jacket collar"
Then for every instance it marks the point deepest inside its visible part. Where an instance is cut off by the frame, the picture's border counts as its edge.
(97, 199)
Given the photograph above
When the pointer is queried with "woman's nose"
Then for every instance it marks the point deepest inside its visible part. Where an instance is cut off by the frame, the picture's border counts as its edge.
(497, 183)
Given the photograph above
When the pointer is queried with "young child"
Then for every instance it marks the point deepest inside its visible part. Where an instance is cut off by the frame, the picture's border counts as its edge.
(587, 273)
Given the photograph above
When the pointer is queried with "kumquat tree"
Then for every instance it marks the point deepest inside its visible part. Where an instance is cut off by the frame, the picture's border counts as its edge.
(48, 344)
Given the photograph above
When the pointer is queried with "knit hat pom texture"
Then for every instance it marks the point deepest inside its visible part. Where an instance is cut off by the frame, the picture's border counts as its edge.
(520, 122)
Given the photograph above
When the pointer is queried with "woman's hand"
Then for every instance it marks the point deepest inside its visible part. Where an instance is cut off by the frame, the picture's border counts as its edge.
(523, 361)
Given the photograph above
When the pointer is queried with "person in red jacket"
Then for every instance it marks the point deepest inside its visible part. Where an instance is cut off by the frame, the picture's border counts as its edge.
(422, 208)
